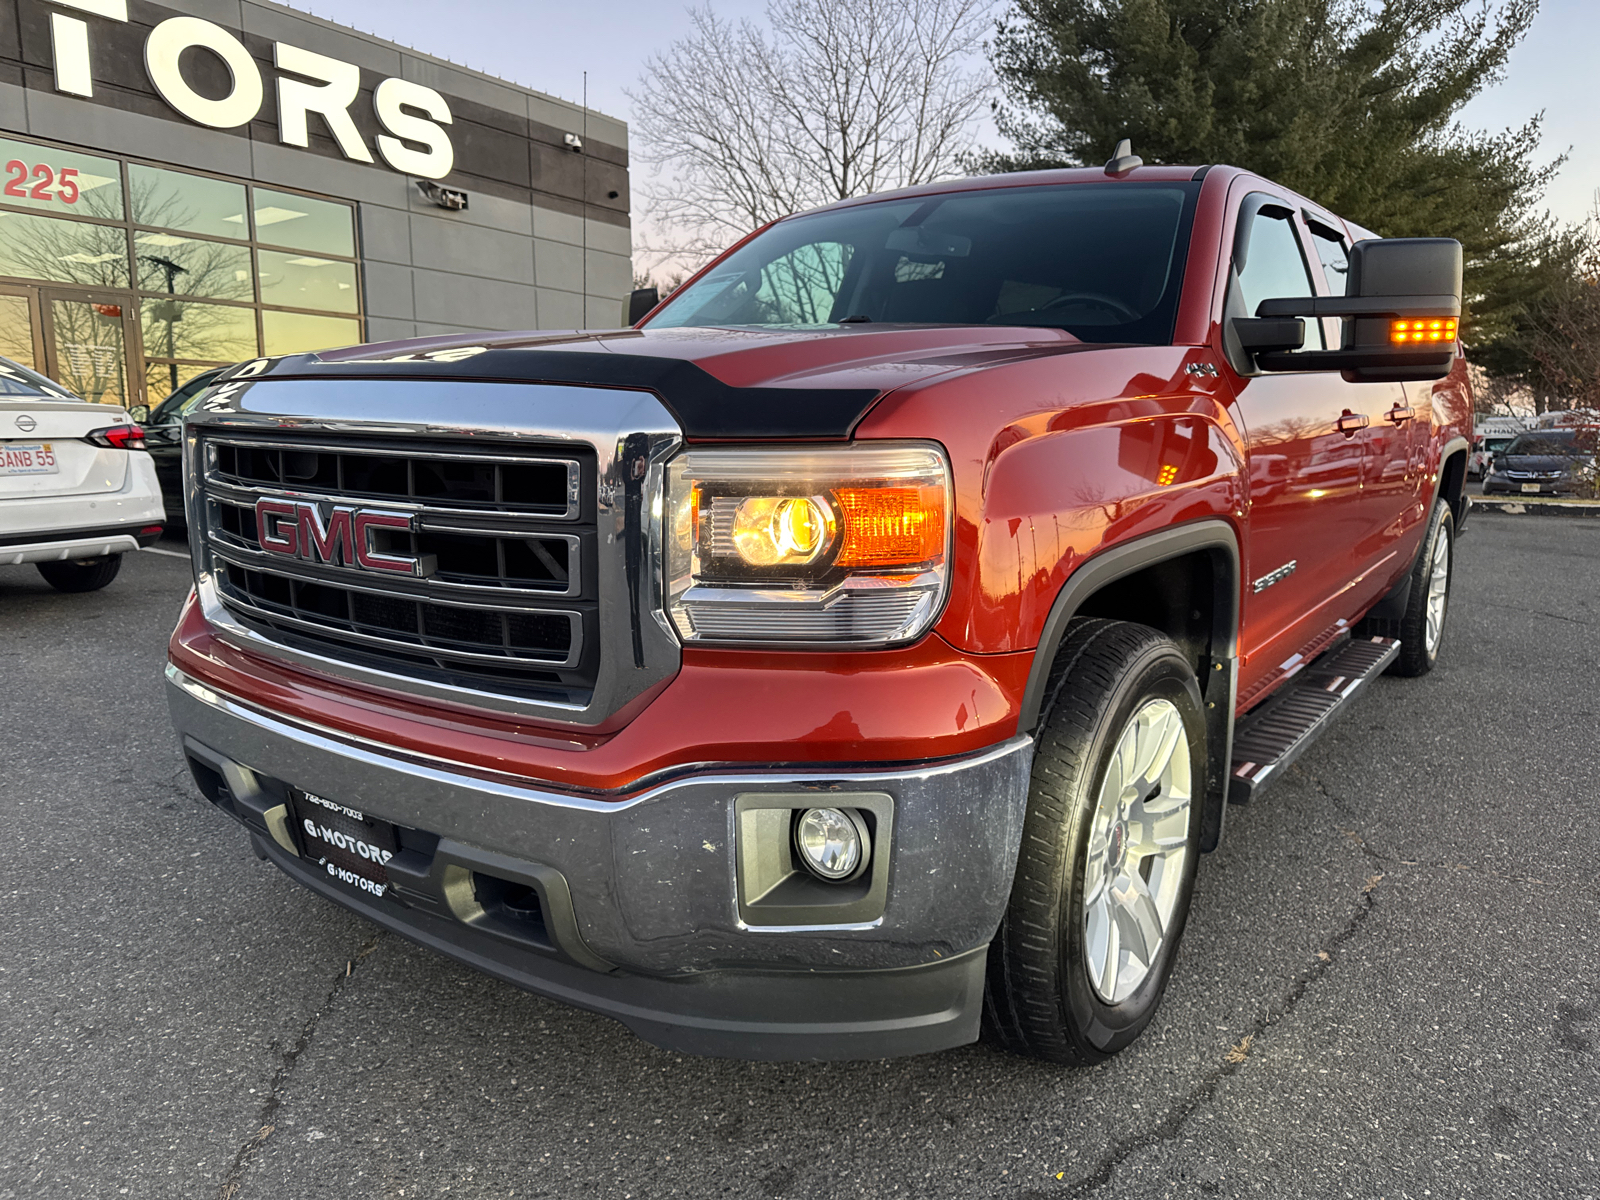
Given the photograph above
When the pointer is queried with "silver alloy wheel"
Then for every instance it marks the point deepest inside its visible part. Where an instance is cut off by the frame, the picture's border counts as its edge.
(1438, 591)
(1138, 847)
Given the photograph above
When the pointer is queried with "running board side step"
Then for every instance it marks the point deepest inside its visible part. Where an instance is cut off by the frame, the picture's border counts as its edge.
(1267, 740)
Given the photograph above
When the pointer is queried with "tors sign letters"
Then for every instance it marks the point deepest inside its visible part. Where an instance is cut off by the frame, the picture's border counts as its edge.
(412, 116)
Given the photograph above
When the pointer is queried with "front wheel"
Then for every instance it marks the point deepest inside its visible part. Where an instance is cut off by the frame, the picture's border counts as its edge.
(1421, 630)
(1107, 864)
(81, 575)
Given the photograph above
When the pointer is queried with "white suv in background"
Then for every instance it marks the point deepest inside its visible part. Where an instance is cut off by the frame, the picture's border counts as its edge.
(77, 490)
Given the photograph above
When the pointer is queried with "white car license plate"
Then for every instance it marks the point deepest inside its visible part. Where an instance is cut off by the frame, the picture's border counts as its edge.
(1530, 487)
(36, 459)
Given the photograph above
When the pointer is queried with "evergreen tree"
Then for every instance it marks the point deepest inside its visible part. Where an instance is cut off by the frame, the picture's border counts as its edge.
(1348, 102)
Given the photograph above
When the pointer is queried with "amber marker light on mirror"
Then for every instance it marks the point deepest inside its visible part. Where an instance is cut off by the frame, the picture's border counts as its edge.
(1427, 330)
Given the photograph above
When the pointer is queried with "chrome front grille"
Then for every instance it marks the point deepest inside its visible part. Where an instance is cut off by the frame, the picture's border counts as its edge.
(508, 598)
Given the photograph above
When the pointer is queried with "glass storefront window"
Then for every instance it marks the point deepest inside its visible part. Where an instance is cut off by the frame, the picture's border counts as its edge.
(67, 182)
(185, 329)
(64, 251)
(192, 203)
(207, 266)
(192, 267)
(159, 377)
(305, 281)
(16, 330)
(301, 223)
(296, 333)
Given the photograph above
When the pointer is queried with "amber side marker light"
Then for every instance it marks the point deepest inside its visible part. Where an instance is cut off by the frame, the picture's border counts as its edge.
(1427, 329)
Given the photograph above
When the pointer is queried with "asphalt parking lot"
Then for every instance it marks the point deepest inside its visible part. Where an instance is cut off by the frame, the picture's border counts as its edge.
(1390, 986)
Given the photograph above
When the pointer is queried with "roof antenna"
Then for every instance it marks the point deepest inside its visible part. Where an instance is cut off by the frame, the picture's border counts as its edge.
(1123, 159)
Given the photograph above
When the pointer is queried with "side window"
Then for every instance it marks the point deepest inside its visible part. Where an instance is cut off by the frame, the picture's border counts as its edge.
(1275, 267)
(1335, 258)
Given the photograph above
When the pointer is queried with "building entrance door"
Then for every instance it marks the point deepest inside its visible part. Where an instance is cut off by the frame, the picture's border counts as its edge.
(20, 337)
(82, 339)
(87, 340)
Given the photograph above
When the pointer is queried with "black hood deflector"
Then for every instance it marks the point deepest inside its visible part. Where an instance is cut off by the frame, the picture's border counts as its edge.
(703, 405)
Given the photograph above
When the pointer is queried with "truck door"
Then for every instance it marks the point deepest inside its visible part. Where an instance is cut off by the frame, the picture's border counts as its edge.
(1305, 461)
(1390, 474)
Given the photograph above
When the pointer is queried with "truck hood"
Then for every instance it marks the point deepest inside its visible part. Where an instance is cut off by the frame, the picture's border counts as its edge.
(718, 383)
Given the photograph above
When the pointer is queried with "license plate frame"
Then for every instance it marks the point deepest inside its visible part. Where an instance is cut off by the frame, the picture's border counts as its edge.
(1532, 488)
(28, 458)
(350, 845)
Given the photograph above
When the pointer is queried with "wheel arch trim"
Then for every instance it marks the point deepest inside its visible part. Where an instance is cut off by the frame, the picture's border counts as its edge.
(1127, 558)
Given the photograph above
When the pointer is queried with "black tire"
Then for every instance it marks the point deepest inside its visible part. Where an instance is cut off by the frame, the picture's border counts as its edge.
(1040, 998)
(1416, 655)
(81, 575)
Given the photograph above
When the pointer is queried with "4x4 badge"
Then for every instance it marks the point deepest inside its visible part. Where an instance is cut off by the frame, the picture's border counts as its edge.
(344, 538)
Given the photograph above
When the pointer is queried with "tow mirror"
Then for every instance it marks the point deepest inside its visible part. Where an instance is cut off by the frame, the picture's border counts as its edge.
(1401, 317)
(639, 302)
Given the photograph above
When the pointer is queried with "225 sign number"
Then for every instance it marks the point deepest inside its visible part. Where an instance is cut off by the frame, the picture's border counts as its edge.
(45, 177)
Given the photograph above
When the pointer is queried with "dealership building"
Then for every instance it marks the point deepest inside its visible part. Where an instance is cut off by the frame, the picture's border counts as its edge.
(200, 182)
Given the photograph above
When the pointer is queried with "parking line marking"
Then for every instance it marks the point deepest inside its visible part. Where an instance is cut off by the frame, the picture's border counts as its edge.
(168, 553)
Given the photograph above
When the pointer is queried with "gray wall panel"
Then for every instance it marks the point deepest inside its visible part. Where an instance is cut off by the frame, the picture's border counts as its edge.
(609, 274)
(564, 310)
(387, 329)
(440, 244)
(385, 234)
(557, 226)
(557, 265)
(226, 13)
(111, 129)
(568, 116)
(13, 107)
(451, 82)
(323, 37)
(474, 303)
(388, 290)
(290, 166)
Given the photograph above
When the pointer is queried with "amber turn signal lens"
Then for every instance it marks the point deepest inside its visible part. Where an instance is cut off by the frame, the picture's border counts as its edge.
(891, 526)
(1437, 330)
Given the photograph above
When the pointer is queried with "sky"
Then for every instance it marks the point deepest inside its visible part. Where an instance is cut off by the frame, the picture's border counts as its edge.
(548, 46)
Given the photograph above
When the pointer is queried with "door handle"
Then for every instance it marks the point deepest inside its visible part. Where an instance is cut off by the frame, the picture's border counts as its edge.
(1401, 413)
(1351, 422)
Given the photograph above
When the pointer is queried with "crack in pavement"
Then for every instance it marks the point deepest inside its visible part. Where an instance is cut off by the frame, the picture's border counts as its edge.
(1534, 612)
(1238, 1054)
(252, 1145)
(1393, 860)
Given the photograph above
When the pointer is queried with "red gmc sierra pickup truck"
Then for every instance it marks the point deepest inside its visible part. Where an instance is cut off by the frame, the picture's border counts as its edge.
(864, 647)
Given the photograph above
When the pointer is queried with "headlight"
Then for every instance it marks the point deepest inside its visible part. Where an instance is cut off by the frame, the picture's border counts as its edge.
(847, 545)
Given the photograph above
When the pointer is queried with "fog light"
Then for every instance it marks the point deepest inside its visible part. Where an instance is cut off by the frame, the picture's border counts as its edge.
(832, 843)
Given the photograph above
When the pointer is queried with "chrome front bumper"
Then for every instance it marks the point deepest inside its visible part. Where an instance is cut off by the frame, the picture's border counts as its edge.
(640, 893)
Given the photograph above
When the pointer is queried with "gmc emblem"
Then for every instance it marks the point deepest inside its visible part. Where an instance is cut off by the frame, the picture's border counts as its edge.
(297, 529)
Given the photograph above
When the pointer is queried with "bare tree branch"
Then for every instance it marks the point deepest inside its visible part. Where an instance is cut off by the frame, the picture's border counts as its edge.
(845, 97)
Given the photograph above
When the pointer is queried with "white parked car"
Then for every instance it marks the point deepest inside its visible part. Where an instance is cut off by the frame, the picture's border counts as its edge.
(77, 490)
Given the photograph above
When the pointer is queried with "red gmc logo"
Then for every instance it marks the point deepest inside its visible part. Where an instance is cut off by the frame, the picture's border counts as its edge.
(297, 529)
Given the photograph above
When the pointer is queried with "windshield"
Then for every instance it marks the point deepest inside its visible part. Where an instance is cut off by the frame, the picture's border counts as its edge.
(1102, 261)
(1545, 444)
(175, 405)
(18, 380)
